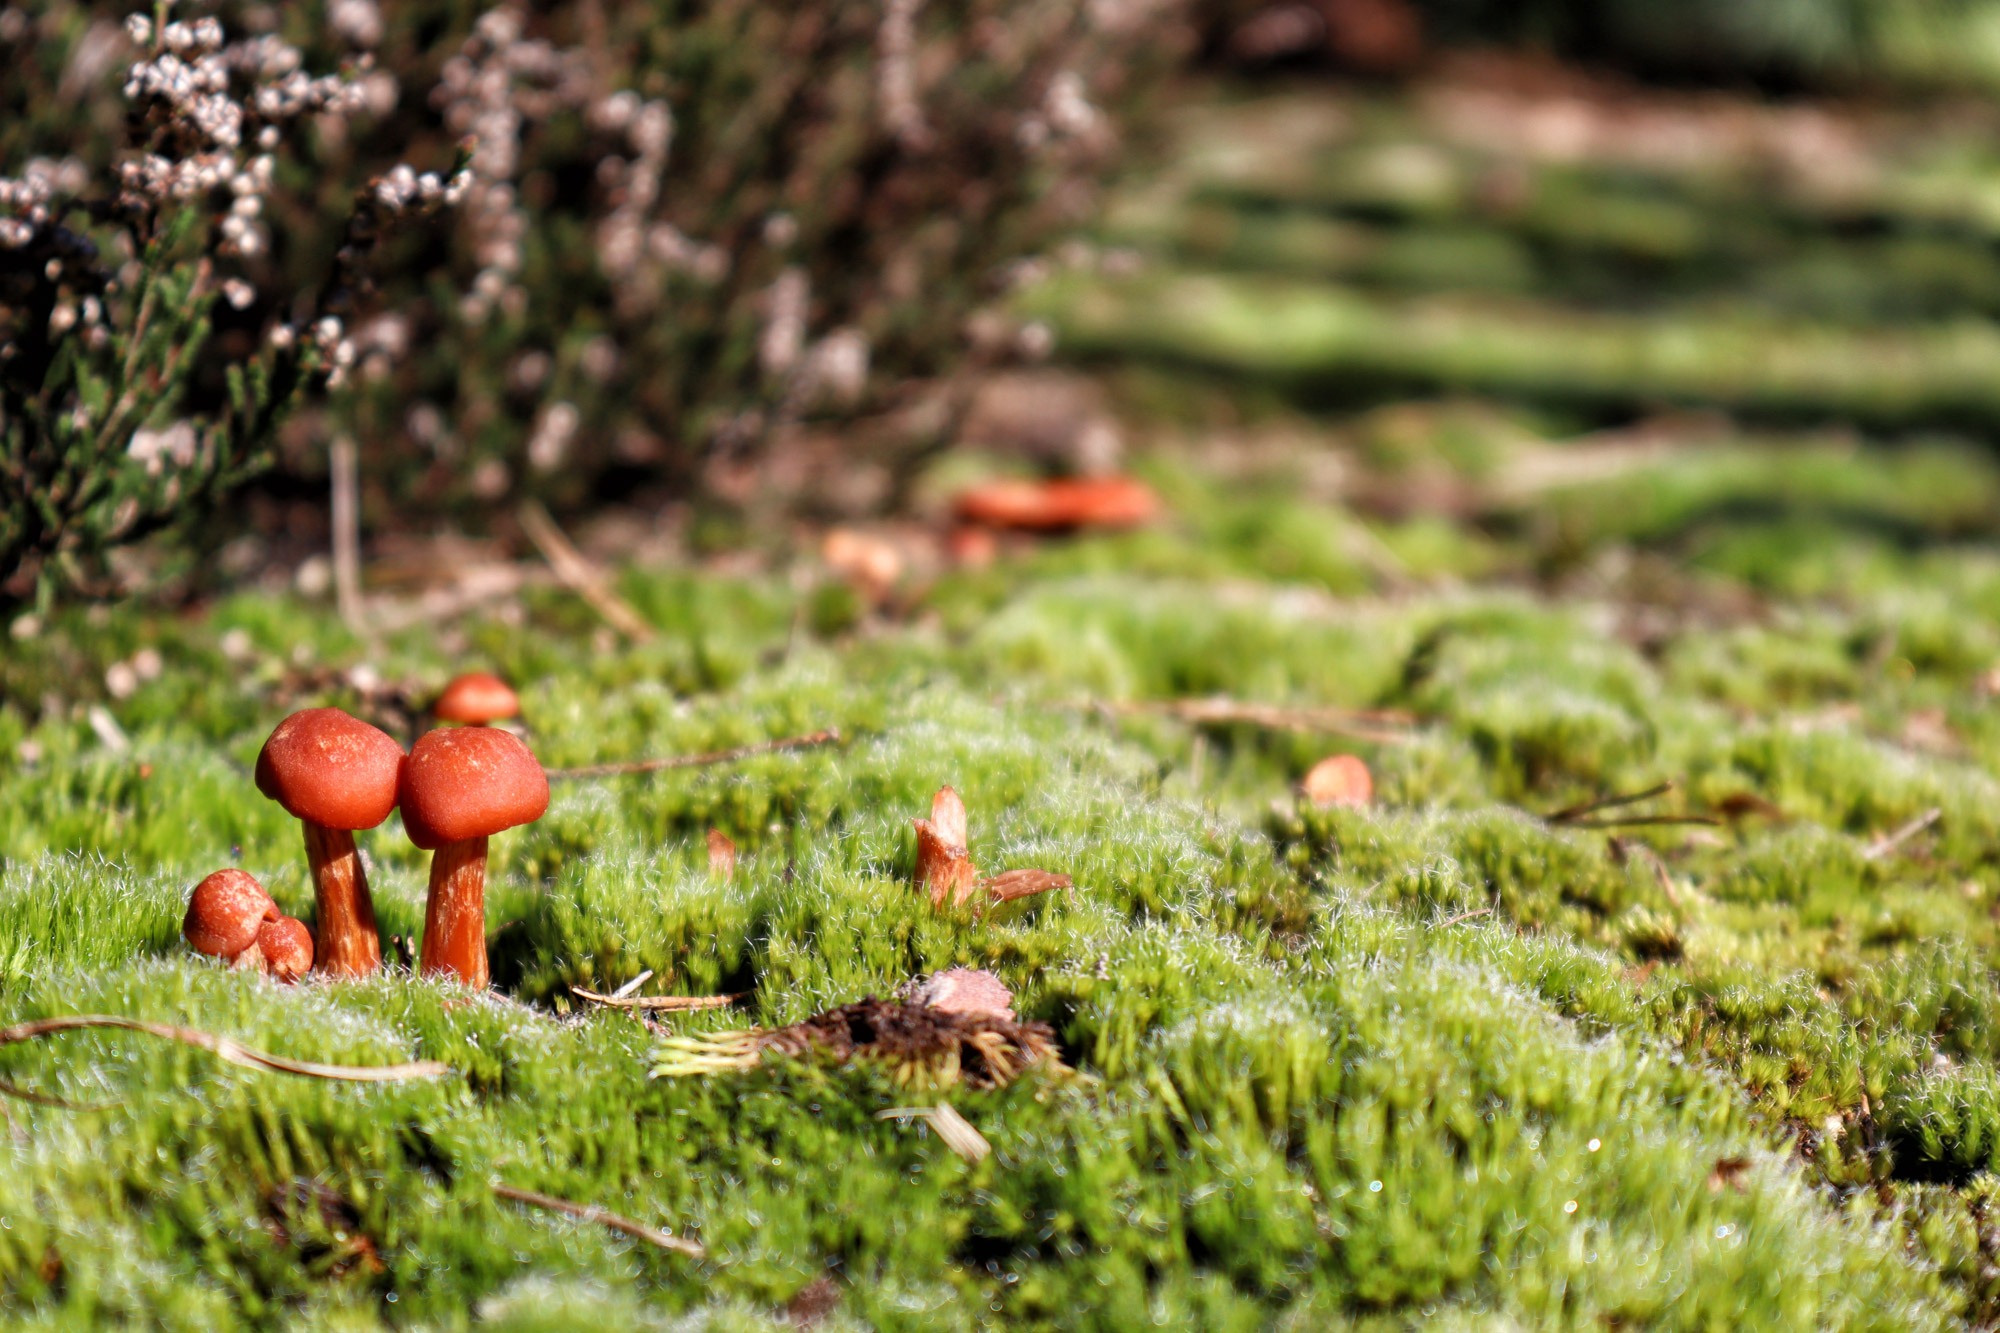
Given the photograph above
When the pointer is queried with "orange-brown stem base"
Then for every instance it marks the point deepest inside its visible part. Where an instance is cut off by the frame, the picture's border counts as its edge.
(455, 914)
(347, 943)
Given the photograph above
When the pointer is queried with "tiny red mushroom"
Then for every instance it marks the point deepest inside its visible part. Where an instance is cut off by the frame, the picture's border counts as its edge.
(476, 699)
(335, 774)
(225, 913)
(461, 785)
(287, 947)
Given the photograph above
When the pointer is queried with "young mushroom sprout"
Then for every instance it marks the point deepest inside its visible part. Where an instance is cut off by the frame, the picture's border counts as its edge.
(335, 774)
(476, 699)
(462, 785)
(287, 947)
(230, 917)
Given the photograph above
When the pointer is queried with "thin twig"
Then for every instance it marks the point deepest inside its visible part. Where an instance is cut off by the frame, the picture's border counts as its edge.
(1660, 874)
(1570, 813)
(1640, 821)
(227, 1049)
(667, 1003)
(584, 578)
(1383, 725)
(43, 1099)
(590, 1212)
(346, 506)
(1882, 846)
(1462, 916)
(633, 984)
(829, 736)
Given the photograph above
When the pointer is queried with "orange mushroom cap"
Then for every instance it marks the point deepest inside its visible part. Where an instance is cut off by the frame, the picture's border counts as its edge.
(225, 913)
(331, 769)
(469, 782)
(287, 946)
(476, 697)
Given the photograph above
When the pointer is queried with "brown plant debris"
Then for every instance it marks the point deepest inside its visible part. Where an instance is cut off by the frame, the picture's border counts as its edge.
(324, 1226)
(813, 1302)
(226, 1048)
(1728, 1174)
(828, 736)
(590, 1212)
(944, 867)
(921, 1045)
(963, 990)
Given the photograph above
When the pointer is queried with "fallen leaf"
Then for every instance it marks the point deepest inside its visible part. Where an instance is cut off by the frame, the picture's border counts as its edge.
(1340, 779)
(1022, 884)
(944, 868)
(948, 817)
(721, 854)
(965, 990)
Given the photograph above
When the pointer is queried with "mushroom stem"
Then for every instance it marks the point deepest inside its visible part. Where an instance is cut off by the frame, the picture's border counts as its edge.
(348, 944)
(455, 914)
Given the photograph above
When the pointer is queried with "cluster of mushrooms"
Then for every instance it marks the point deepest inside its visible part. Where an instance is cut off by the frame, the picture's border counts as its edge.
(334, 773)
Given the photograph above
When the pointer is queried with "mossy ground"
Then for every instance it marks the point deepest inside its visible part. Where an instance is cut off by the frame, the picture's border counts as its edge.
(1443, 1062)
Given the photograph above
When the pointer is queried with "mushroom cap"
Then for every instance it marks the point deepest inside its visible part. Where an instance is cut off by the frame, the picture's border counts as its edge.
(469, 782)
(476, 697)
(331, 769)
(225, 913)
(287, 946)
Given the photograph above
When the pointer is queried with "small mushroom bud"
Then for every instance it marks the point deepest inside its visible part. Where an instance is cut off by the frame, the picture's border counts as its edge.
(287, 947)
(476, 699)
(226, 913)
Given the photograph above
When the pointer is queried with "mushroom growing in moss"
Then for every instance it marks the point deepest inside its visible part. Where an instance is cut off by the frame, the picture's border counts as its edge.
(476, 699)
(462, 785)
(231, 917)
(335, 774)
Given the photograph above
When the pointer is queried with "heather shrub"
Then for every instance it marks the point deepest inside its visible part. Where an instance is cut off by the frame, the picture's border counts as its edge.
(686, 227)
(120, 407)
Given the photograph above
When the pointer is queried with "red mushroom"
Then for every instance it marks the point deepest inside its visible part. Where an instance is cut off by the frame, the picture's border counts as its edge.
(477, 700)
(461, 785)
(335, 774)
(1340, 779)
(225, 914)
(287, 947)
(230, 917)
